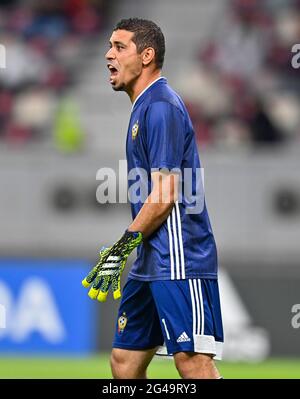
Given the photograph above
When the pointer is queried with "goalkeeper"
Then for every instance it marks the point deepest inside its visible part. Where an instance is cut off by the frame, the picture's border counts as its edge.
(170, 302)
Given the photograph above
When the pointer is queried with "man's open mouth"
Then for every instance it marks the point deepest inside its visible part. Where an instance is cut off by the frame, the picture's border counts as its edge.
(112, 69)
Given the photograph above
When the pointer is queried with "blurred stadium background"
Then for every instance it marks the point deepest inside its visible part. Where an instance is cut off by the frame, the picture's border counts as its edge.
(60, 122)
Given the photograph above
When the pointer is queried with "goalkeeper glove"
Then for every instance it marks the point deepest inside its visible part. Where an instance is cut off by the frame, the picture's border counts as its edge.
(108, 270)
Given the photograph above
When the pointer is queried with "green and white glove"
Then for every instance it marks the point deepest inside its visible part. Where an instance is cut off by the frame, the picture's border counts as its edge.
(108, 270)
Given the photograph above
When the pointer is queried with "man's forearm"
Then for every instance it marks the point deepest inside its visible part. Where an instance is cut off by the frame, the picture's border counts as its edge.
(151, 217)
(158, 205)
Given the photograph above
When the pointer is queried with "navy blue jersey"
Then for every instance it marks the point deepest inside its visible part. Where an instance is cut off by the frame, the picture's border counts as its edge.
(161, 136)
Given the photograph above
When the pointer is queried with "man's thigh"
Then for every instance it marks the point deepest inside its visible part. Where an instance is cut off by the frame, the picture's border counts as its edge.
(190, 315)
(138, 326)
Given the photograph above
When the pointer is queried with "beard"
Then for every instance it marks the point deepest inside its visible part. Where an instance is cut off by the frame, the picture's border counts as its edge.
(119, 88)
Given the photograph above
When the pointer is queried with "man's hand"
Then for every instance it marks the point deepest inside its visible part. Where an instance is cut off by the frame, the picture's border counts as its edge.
(108, 270)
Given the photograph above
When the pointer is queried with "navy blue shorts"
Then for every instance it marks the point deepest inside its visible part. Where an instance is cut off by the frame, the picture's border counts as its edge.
(174, 315)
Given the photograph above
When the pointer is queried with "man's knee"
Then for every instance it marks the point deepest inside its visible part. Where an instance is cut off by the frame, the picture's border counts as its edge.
(125, 364)
(195, 365)
(119, 363)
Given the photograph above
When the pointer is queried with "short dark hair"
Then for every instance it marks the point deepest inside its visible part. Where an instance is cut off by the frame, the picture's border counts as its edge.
(146, 34)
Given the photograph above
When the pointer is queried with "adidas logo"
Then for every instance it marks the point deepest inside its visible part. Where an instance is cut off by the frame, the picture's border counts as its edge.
(183, 337)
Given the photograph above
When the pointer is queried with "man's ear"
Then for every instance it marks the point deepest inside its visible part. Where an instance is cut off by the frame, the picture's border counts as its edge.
(148, 55)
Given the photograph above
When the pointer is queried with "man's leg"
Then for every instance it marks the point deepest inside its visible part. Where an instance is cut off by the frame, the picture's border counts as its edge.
(138, 332)
(196, 365)
(190, 315)
(128, 364)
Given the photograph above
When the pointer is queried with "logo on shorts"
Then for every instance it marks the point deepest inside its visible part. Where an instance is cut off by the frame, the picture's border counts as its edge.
(122, 321)
(183, 337)
(134, 130)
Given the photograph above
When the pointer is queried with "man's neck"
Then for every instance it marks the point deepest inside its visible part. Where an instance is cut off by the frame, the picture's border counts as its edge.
(141, 85)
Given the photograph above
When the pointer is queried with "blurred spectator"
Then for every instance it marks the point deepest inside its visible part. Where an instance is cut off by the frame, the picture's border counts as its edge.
(68, 133)
(263, 131)
(247, 64)
(241, 45)
(24, 66)
(34, 108)
(6, 102)
(43, 41)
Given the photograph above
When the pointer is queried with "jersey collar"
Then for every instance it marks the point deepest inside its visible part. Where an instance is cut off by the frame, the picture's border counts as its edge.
(139, 96)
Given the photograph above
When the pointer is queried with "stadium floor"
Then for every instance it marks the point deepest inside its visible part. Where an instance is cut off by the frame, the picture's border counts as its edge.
(98, 367)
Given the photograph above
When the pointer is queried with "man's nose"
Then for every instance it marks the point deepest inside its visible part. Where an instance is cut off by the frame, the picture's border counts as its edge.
(110, 54)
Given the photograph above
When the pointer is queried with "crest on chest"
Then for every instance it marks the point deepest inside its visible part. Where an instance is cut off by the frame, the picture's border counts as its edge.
(135, 130)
